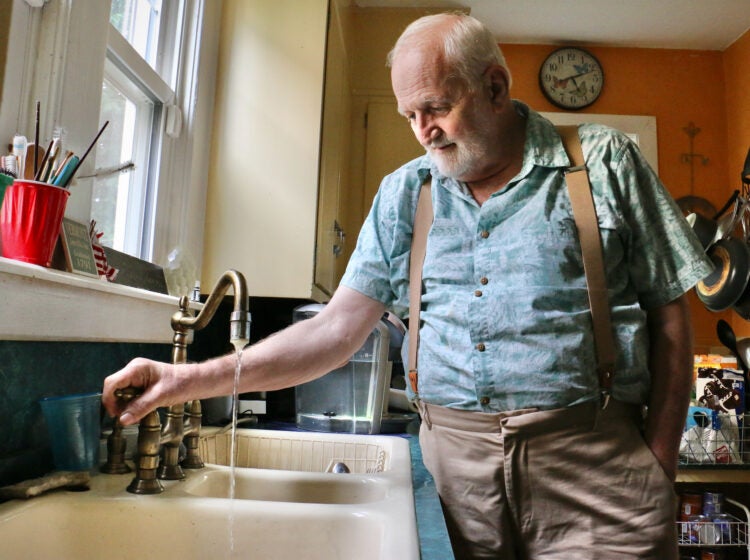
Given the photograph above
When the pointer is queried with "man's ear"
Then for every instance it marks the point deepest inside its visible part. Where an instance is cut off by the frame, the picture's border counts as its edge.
(497, 80)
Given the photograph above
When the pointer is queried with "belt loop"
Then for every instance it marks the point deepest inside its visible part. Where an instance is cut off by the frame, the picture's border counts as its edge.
(423, 413)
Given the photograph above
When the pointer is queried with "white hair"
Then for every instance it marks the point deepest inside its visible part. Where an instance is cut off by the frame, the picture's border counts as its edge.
(468, 46)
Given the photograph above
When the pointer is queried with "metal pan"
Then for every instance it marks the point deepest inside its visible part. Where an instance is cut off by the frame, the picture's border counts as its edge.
(727, 283)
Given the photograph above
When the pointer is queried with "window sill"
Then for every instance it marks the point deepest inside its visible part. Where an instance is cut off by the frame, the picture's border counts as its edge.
(37, 303)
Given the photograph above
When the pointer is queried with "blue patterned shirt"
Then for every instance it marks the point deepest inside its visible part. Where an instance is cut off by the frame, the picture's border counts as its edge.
(505, 315)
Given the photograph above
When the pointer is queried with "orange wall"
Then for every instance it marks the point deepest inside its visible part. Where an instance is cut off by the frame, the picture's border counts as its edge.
(737, 86)
(677, 87)
(674, 86)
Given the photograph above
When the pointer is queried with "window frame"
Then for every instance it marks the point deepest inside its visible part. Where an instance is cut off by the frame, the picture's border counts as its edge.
(127, 62)
(64, 42)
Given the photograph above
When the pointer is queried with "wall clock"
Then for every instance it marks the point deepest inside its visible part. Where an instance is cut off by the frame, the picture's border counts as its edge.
(571, 78)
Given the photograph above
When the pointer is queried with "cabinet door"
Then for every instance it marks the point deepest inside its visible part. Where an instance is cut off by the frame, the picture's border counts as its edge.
(263, 180)
(334, 159)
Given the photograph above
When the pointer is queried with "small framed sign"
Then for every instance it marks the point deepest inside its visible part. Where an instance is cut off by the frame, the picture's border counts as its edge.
(76, 244)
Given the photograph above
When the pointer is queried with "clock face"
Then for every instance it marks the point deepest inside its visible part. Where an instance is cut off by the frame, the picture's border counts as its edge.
(571, 78)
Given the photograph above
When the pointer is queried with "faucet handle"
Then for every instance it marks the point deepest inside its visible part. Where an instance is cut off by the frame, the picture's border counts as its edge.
(128, 393)
(116, 443)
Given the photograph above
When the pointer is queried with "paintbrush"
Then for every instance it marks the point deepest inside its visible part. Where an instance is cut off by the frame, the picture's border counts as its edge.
(83, 157)
(36, 140)
(37, 175)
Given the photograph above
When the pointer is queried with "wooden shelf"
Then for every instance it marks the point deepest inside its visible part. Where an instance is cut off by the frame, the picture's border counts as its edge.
(717, 475)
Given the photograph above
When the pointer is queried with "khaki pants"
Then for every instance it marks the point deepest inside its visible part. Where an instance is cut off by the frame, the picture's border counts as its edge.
(568, 484)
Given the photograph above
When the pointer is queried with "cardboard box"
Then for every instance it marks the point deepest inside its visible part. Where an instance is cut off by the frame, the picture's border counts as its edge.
(722, 390)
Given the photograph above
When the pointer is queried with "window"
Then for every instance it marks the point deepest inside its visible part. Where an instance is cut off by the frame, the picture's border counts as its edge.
(147, 66)
(138, 86)
(138, 22)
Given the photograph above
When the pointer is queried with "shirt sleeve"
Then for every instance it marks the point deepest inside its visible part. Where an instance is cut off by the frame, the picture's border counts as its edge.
(379, 265)
(665, 259)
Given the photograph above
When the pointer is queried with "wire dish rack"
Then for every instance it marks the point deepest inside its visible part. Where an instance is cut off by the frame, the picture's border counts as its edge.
(719, 532)
(715, 439)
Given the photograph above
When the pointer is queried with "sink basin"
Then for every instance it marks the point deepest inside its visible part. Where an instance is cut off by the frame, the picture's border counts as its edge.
(253, 484)
(277, 514)
(75, 527)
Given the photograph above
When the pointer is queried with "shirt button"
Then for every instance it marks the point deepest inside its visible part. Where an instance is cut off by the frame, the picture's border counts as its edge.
(478, 293)
(485, 234)
(484, 401)
(481, 347)
(484, 280)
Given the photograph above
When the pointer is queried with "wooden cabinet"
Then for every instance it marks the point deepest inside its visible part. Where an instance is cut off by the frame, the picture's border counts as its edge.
(334, 155)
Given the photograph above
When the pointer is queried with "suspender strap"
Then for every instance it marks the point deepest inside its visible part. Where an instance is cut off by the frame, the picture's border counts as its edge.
(584, 213)
(422, 222)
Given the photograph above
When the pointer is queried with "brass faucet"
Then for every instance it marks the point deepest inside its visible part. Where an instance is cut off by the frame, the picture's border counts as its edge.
(184, 422)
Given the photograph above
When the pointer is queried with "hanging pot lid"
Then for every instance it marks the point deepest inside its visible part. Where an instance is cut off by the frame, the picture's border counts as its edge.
(725, 285)
(696, 205)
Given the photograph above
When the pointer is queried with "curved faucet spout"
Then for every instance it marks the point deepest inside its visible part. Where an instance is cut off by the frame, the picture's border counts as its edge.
(239, 320)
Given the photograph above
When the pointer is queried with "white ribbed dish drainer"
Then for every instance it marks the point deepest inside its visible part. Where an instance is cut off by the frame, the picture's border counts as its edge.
(713, 536)
(286, 453)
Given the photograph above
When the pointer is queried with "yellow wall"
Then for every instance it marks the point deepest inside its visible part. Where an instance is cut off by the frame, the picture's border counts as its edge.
(5, 8)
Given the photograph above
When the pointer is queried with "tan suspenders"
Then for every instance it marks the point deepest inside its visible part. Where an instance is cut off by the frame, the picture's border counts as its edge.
(584, 213)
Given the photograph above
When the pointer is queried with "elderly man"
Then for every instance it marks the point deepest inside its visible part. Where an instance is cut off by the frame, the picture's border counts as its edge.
(527, 460)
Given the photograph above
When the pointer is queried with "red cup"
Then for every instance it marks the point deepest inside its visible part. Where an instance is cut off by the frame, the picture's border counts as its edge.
(30, 220)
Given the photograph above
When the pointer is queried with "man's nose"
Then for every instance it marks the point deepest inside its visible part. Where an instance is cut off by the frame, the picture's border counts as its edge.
(425, 129)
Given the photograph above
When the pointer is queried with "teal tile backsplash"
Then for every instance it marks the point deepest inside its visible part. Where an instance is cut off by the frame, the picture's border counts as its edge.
(32, 370)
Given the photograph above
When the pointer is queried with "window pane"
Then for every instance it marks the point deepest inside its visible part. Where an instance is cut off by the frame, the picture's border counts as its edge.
(119, 199)
(138, 21)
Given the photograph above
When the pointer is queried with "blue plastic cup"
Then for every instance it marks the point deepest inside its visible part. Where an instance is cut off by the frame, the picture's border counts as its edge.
(73, 427)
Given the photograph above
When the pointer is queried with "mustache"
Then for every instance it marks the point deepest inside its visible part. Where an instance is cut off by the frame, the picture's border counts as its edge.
(438, 143)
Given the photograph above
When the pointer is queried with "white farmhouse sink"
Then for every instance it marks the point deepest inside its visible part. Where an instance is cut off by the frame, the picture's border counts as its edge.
(277, 515)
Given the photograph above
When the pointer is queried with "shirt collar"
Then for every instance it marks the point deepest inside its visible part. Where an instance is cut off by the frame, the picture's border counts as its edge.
(543, 145)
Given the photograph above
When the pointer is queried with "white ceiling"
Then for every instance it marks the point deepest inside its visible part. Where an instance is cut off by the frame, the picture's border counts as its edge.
(673, 24)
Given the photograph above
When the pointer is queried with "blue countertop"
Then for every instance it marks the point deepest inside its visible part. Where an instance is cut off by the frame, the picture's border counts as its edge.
(433, 536)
